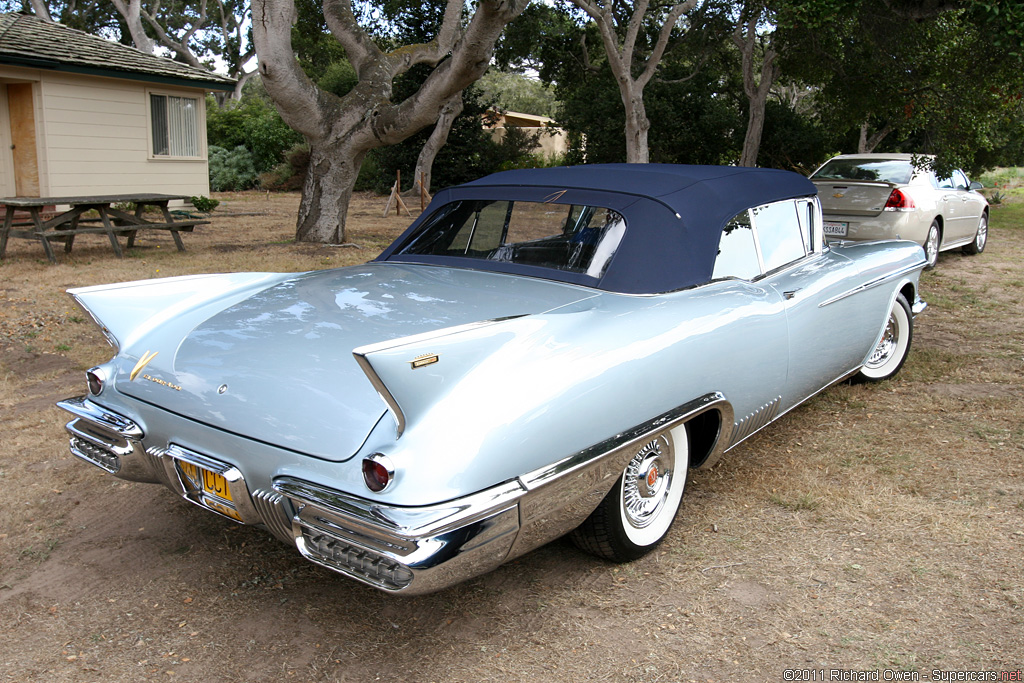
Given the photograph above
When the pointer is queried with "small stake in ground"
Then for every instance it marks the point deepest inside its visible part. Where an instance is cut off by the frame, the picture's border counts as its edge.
(396, 199)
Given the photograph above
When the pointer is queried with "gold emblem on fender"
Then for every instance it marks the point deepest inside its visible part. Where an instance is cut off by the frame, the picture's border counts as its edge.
(838, 195)
(143, 362)
(424, 360)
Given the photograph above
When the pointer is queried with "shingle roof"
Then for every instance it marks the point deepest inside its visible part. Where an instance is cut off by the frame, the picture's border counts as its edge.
(28, 41)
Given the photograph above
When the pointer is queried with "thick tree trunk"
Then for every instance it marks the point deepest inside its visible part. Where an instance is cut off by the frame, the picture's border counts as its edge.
(746, 38)
(637, 127)
(620, 50)
(425, 162)
(330, 180)
(755, 126)
(340, 131)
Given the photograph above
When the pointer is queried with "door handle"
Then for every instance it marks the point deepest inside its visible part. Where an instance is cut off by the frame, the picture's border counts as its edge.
(789, 294)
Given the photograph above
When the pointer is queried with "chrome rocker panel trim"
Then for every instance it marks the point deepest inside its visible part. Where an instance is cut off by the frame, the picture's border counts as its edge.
(413, 550)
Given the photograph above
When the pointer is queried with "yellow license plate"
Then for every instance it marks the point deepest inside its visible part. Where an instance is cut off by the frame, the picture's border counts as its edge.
(213, 489)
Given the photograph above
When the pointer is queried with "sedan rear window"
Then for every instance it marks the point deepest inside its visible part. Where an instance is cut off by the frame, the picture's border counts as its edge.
(576, 238)
(884, 170)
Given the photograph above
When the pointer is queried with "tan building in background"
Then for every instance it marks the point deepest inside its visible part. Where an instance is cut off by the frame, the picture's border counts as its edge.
(552, 140)
(80, 115)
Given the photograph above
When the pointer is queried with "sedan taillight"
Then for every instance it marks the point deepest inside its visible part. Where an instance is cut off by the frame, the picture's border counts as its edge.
(898, 201)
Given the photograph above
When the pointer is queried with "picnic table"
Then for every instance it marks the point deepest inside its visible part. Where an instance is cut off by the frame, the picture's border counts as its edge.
(112, 221)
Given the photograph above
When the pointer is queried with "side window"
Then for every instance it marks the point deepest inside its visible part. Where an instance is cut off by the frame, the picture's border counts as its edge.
(960, 180)
(945, 184)
(737, 255)
(805, 214)
(779, 234)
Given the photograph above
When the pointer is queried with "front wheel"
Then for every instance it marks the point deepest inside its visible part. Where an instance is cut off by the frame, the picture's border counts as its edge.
(894, 345)
(980, 237)
(637, 513)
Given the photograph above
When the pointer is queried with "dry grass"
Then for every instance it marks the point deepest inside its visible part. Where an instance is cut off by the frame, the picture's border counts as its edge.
(877, 527)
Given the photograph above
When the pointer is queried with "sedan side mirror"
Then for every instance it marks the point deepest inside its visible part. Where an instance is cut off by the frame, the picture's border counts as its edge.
(975, 185)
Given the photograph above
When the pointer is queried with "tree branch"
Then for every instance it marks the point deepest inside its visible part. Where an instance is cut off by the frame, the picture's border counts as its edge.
(283, 77)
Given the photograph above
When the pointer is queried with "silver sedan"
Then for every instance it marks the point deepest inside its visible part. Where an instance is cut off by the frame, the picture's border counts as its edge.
(885, 196)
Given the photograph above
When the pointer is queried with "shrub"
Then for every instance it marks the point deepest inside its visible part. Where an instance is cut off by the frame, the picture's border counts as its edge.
(204, 204)
(231, 170)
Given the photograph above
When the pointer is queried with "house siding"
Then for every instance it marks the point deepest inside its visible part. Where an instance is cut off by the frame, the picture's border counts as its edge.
(94, 138)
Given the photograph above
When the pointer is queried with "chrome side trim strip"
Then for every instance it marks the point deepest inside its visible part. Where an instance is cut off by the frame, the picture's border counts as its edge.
(666, 421)
(872, 283)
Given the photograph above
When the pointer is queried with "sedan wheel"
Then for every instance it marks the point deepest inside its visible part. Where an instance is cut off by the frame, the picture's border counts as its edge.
(637, 513)
(893, 347)
(980, 237)
(931, 246)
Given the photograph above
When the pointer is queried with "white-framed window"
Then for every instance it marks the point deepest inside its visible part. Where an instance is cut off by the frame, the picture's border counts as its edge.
(174, 125)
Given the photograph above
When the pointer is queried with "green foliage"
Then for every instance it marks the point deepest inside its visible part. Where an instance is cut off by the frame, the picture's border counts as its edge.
(231, 170)
(204, 204)
(512, 91)
(338, 78)
(252, 123)
(290, 174)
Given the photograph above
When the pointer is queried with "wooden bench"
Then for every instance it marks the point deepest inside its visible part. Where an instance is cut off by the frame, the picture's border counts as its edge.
(111, 221)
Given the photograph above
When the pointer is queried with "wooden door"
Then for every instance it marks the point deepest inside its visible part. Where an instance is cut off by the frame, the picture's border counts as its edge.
(23, 139)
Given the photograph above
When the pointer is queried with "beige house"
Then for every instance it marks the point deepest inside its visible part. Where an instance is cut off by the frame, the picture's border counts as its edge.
(80, 115)
(552, 140)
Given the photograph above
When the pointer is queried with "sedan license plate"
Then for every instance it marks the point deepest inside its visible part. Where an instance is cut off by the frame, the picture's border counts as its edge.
(834, 228)
(212, 489)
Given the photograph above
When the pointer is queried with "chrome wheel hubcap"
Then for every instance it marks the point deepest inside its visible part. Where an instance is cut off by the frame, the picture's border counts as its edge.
(886, 346)
(646, 482)
(931, 247)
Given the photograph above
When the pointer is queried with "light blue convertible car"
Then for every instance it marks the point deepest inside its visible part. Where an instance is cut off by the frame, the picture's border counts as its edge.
(543, 352)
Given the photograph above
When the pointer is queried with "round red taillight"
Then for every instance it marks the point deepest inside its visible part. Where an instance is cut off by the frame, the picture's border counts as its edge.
(96, 380)
(377, 472)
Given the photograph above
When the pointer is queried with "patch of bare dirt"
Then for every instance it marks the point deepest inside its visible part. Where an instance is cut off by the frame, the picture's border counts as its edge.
(877, 528)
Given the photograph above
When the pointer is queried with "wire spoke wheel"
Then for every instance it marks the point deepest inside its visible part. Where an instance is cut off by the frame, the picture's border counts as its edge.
(637, 513)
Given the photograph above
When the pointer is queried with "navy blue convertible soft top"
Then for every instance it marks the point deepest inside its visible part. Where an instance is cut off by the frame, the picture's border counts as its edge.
(674, 216)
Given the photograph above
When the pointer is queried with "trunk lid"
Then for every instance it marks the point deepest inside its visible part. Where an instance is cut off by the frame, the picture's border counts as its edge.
(853, 198)
(278, 366)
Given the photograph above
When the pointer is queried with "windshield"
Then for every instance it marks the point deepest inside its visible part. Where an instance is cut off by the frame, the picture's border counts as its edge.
(884, 170)
(572, 237)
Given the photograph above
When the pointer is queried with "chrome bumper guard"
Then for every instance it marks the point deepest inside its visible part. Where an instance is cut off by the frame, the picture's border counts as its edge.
(111, 442)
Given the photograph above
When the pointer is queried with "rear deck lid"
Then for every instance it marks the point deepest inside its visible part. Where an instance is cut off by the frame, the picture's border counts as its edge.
(278, 366)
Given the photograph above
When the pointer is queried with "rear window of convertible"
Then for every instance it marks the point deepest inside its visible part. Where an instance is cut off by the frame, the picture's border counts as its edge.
(575, 238)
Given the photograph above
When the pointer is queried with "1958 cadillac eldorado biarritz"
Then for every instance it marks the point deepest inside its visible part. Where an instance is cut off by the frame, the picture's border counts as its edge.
(543, 352)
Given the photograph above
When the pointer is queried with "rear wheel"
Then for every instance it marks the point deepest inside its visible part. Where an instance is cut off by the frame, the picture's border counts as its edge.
(637, 513)
(980, 237)
(931, 245)
(894, 345)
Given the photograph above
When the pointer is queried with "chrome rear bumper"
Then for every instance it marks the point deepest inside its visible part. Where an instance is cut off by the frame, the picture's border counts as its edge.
(407, 550)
